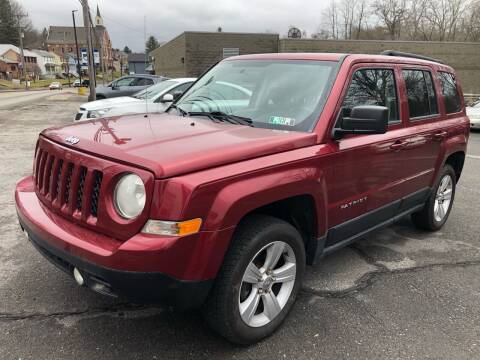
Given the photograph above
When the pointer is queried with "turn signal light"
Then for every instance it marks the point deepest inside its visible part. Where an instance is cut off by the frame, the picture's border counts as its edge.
(172, 228)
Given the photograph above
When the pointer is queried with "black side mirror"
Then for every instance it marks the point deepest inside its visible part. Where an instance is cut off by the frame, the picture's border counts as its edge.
(364, 119)
(177, 95)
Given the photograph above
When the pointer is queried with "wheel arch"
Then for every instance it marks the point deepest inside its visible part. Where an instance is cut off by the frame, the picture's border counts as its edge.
(456, 160)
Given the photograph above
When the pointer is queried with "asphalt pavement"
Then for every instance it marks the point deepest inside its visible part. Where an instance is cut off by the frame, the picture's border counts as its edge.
(399, 294)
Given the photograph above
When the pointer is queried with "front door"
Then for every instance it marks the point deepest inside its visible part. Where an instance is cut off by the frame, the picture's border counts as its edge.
(368, 169)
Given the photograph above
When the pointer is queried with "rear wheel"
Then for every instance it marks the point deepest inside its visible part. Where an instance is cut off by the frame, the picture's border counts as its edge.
(258, 282)
(437, 208)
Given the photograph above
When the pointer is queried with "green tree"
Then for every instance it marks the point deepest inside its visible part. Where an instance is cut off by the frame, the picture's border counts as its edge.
(127, 50)
(152, 44)
(8, 24)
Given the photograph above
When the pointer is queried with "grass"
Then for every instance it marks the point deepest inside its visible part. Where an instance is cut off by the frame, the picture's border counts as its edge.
(8, 85)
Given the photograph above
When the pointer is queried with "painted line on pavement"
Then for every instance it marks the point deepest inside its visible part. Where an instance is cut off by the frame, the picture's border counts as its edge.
(473, 156)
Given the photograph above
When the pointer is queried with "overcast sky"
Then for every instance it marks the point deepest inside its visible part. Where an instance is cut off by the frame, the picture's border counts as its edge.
(166, 19)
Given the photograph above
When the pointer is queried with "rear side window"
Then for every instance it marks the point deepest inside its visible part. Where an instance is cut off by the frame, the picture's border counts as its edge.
(143, 82)
(373, 87)
(450, 93)
(422, 100)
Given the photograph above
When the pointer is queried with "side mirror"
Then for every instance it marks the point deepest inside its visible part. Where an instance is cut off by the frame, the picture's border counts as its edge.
(364, 119)
(177, 95)
(167, 98)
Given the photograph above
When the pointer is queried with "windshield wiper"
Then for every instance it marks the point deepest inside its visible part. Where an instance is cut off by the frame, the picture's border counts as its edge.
(219, 115)
(180, 110)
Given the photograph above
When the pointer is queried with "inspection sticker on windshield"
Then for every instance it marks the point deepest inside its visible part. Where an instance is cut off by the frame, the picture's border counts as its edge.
(281, 120)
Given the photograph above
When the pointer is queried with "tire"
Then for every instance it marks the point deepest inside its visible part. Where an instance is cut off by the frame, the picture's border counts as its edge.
(429, 218)
(100, 97)
(254, 238)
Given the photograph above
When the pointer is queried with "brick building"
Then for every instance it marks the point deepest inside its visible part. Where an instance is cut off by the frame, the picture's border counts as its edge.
(61, 40)
(191, 53)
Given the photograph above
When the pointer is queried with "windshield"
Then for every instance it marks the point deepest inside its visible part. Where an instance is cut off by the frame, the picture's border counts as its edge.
(155, 90)
(274, 94)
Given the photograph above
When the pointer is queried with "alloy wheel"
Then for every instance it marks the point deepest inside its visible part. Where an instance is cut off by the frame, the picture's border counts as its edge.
(267, 284)
(443, 198)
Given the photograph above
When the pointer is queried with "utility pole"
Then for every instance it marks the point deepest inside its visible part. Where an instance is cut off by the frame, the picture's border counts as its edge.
(91, 65)
(79, 67)
(22, 56)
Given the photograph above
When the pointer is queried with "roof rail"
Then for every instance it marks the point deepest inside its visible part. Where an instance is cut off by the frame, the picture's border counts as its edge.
(410, 55)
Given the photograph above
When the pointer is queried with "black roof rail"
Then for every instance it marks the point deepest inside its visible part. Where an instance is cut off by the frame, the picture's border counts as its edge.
(410, 55)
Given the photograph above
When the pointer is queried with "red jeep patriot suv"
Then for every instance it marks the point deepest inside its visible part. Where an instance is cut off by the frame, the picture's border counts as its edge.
(266, 164)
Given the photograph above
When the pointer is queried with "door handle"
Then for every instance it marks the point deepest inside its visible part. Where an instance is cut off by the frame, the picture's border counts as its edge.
(440, 135)
(398, 145)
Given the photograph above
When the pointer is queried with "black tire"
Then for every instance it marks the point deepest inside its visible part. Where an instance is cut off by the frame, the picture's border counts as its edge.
(221, 311)
(100, 97)
(425, 218)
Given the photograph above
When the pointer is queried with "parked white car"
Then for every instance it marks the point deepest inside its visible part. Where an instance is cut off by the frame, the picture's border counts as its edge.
(473, 112)
(155, 99)
(55, 86)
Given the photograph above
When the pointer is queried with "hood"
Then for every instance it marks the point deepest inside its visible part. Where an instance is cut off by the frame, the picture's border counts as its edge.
(105, 103)
(170, 145)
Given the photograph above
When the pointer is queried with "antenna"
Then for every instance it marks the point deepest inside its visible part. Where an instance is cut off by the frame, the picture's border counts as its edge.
(146, 55)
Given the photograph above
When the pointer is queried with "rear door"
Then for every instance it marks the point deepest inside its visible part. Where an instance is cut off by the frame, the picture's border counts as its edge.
(140, 83)
(426, 132)
(368, 169)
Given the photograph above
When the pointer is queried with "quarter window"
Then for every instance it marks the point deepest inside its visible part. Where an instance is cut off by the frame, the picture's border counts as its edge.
(373, 87)
(450, 93)
(422, 100)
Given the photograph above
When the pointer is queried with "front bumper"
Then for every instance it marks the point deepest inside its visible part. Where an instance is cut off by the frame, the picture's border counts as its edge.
(475, 124)
(81, 115)
(143, 269)
(138, 287)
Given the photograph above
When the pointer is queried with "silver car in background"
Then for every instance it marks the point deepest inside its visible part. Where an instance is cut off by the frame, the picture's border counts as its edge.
(127, 85)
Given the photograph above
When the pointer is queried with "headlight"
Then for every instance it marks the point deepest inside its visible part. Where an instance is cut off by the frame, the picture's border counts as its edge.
(129, 196)
(97, 113)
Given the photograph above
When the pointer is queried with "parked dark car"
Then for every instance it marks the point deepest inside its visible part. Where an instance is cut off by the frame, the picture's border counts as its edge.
(127, 85)
(266, 164)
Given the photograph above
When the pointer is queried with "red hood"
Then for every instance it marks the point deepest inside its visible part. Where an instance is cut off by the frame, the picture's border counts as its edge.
(171, 145)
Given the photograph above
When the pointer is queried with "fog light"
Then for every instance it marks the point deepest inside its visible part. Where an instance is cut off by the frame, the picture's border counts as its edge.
(78, 277)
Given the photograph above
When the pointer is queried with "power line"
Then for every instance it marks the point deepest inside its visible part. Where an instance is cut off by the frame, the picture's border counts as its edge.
(121, 24)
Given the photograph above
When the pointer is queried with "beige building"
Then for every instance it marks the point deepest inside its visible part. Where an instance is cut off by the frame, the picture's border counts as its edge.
(191, 53)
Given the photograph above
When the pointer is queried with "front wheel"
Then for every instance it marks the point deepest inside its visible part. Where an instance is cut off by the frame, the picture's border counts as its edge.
(437, 208)
(258, 282)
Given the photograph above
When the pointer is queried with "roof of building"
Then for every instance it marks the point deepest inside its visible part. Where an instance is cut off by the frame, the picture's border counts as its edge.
(8, 61)
(66, 34)
(43, 53)
(136, 57)
(5, 47)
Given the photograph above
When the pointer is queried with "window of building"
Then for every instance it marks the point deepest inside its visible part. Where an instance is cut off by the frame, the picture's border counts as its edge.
(450, 93)
(422, 100)
(373, 87)
(228, 52)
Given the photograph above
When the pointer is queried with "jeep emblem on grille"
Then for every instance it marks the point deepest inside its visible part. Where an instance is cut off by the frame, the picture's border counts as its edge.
(72, 140)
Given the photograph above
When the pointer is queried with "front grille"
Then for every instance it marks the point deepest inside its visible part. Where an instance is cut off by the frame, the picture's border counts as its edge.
(70, 187)
(97, 182)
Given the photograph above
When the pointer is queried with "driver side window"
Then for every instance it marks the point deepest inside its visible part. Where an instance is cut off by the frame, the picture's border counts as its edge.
(125, 82)
(373, 87)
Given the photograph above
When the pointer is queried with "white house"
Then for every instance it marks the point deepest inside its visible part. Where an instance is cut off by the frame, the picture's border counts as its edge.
(46, 63)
